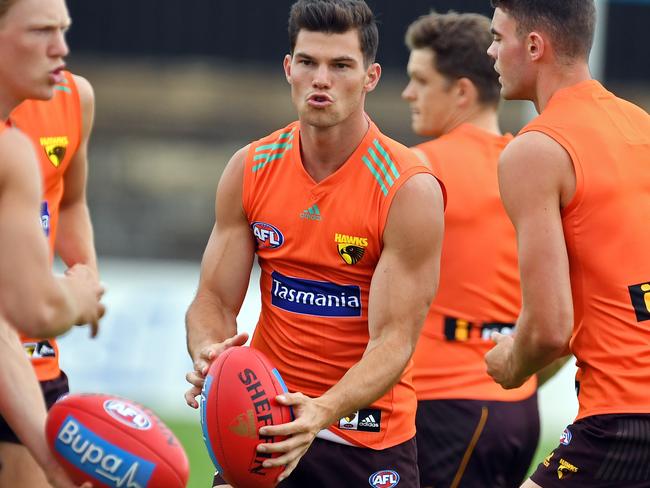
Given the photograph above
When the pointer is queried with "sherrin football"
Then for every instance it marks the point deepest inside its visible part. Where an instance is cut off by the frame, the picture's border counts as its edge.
(238, 398)
(113, 442)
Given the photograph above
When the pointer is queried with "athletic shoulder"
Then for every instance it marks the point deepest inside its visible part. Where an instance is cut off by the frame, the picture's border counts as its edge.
(395, 152)
(533, 151)
(85, 89)
(283, 135)
(233, 174)
(17, 159)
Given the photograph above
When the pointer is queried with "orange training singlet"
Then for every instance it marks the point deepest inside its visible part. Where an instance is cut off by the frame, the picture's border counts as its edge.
(318, 245)
(607, 233)
(54, 126)
(479, 280)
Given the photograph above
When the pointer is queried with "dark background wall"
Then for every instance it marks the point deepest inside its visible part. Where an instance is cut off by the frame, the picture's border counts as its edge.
(255, 30)
(182, 84)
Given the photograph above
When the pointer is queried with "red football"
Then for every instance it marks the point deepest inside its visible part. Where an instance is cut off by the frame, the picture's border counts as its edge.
(113, 442)
(238, 398)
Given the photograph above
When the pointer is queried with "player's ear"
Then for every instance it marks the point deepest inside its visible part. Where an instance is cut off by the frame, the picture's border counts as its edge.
(373, 73)
(535, 46)
(287, 67)
(466, 92)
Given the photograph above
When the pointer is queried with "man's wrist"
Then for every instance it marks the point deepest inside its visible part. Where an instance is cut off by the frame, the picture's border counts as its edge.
(327, 408)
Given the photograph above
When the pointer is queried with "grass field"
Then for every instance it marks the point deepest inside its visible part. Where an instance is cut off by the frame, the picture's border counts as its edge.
(201, 469)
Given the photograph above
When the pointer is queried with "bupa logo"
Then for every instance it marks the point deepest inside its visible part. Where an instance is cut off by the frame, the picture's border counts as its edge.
(384, 479)
(100, 459)
(268, 236)
(565, 438)
(128, 414)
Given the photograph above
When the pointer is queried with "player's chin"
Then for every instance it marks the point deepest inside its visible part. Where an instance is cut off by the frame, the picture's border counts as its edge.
(419, 128)
(44, 91)
(507, 93)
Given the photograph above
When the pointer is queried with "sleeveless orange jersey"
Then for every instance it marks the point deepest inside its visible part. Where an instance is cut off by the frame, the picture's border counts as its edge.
(608, 237)
(54, 126)
(317, 246)
(479, 279)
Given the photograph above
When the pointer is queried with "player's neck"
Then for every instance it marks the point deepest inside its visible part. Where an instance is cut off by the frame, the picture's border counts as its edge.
(7, 104)
(325, 150)
(557, 78)
(483, 117)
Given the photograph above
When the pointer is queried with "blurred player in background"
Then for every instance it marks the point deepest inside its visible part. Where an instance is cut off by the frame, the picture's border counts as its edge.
(333, 209)
(33, 47)
(576, 184)
(470, 431)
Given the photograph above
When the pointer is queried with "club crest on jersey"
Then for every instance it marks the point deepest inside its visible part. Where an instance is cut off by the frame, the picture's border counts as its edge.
(99, 458)
(268, 236)
(55, 148)
(128, 414)
(351, 248)
(565, 438)
(565, 469)
(386, 478)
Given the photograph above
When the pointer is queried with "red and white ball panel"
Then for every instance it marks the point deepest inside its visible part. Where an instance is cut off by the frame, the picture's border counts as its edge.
(238, 399)
(113, 442)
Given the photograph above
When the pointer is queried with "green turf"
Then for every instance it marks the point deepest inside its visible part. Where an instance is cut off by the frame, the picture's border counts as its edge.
(202, 470)
(543, 449)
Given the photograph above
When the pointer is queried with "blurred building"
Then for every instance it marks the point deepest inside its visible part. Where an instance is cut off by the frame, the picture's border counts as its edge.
(181, 85)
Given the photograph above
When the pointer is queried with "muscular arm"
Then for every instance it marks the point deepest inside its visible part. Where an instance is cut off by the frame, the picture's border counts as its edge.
(74, 243)
(536, 180)
(31, 298)
(17, 375)
(403, 285)
(225, 271)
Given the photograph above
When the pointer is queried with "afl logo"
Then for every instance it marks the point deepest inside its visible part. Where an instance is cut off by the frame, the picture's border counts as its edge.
(384, 479)
(128, 414)
(268, 236)
(565, 438)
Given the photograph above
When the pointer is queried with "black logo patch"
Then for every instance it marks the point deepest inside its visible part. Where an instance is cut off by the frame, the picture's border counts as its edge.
(640, 296)
(37, 350)
(365, 420)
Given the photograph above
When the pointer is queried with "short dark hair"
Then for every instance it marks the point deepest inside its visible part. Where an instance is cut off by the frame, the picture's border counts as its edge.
(336, 16)
(459, 43)
(570, 23)
(5, 5)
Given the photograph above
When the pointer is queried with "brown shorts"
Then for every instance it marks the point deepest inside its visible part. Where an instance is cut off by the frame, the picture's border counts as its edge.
(474, 443)
(328, 464)
(603, 451)
(52, 391)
